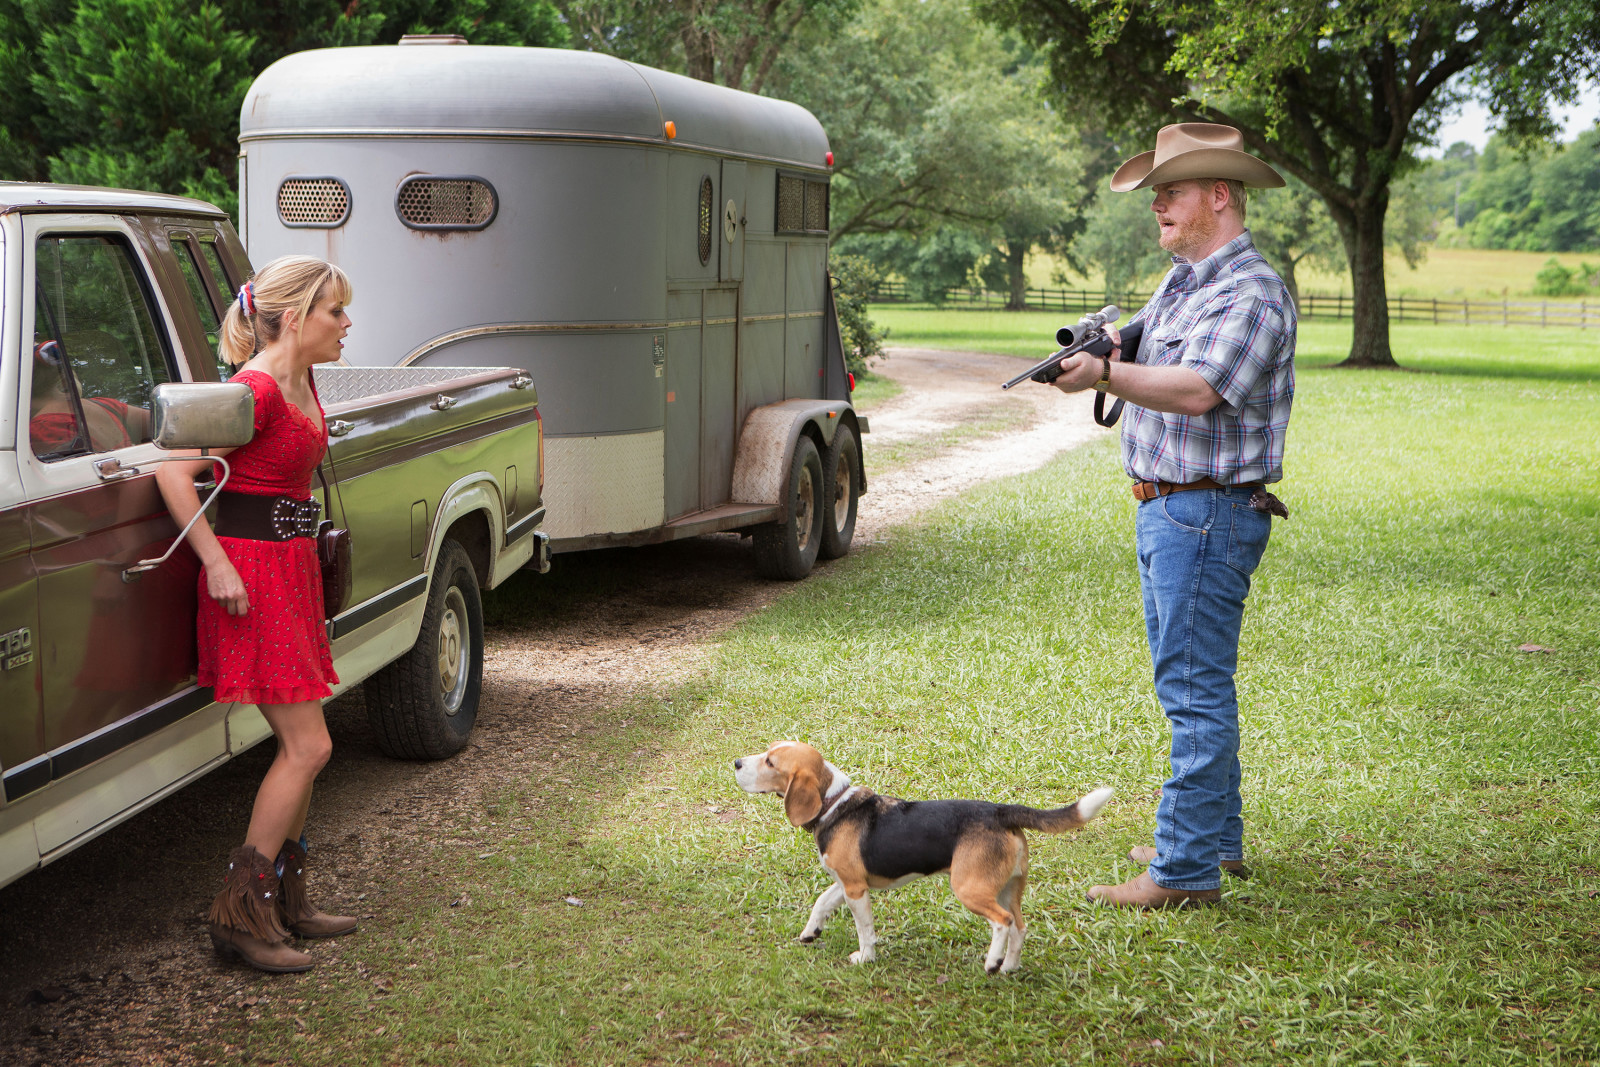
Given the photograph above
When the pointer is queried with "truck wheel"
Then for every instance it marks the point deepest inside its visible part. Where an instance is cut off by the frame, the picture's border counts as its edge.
(787, 549)
(841, 493)
(423, 705)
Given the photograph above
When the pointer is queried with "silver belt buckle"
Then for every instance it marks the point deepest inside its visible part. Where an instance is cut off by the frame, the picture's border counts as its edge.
(294, 518)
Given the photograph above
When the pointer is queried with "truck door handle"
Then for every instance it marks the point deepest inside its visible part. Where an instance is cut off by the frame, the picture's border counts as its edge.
(444, 403)
(521, 381)
(338, 428)
(112, 470)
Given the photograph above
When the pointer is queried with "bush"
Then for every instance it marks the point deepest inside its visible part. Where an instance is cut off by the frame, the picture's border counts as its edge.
(854, 279)
(1556, 280)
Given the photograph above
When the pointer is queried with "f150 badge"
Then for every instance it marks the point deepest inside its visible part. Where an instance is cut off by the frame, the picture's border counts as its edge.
(17, 648)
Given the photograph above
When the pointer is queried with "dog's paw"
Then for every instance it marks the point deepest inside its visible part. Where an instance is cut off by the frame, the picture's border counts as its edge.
(808, 936)
(1011, 968)
(863, 956)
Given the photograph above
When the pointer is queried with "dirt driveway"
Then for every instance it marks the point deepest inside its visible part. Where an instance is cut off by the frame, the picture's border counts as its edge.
(102, 955)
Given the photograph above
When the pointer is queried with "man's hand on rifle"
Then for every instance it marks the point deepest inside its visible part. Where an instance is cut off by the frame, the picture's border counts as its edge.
(1081, 370)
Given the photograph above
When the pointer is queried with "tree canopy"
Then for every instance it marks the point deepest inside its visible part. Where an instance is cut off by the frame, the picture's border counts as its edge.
(145, 94)
(728, 42)
(1339, 94)
(945, 150)
(1543, 200)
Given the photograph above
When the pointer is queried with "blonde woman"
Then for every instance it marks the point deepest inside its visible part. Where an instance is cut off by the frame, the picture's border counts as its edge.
(261, 634)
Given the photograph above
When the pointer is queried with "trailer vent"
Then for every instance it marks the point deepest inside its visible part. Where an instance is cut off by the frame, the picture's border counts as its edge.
(446, 203)
(707, 194)
(802, 205)
(816, 207)
(321, 203)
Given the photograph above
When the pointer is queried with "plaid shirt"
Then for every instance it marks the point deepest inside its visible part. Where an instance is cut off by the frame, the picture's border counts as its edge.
(1228, 317)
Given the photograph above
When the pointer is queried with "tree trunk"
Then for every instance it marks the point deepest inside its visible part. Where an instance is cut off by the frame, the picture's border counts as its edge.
(1018, 281)
(1287, 263)
(1362, 230)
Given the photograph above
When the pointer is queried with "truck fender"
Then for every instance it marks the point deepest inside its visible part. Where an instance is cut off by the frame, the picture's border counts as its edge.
(475, 492)
(766, 443)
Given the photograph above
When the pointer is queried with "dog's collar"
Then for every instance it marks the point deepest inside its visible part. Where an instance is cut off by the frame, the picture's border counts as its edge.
(838, 781)
(831, 805)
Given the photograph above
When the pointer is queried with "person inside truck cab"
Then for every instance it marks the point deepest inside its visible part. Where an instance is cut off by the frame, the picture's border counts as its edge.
(59, 411)
(261, 634)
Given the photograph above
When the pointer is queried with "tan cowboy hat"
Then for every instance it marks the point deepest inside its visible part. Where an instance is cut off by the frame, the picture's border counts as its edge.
(1195, 150)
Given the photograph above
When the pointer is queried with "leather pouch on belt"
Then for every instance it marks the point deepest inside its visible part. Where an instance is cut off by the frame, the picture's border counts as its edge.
(1262, 500)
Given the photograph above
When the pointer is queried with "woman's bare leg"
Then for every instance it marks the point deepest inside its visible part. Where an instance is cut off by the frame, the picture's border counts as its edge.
(285, 793)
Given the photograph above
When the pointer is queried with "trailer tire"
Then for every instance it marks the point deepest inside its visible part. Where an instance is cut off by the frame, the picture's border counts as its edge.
(787, 549)
(840, 493)
(423, 705)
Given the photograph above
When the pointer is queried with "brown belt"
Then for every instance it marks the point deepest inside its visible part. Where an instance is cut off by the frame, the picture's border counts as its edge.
(266, 518)
(1151, 490)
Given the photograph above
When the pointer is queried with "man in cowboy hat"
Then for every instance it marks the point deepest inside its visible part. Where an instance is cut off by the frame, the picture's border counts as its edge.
(1208, 407)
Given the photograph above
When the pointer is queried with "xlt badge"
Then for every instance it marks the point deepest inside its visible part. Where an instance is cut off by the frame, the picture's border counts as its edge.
(17, 648)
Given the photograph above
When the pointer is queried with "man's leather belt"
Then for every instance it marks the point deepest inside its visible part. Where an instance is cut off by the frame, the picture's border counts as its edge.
(266, 518)
(1151, 490)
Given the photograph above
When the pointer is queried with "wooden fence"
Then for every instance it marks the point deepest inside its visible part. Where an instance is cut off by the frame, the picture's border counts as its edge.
(1580, 314)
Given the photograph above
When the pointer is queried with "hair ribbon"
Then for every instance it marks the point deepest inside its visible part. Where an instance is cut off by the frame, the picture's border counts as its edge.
(247, 299)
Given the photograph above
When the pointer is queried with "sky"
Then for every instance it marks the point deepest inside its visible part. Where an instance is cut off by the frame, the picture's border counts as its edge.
(1472, 125)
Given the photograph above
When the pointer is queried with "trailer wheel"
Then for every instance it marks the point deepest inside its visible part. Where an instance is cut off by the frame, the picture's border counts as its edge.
(786, 549)
(423, 705)
(841, 493)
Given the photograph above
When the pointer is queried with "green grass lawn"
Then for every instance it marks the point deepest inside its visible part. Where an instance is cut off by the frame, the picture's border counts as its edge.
(1420, 795)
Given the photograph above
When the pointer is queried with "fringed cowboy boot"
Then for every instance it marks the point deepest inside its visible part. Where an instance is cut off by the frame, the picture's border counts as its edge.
(244, 917)
(295, 908)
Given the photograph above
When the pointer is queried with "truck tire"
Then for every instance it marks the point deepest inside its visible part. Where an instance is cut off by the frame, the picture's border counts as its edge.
(841, 492)
(423, 705)
(786, 549)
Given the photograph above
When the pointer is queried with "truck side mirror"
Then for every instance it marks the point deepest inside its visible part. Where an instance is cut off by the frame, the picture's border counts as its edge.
(196, 415)
(202, 414)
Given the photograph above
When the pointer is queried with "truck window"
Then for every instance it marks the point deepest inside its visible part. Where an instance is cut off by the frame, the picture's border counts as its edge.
(97, 352)
(219, 275)
(189, 264)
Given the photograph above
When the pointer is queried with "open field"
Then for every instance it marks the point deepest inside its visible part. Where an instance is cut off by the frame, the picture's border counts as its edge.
(1451, 273)
(1420, 798)
(1563, 354)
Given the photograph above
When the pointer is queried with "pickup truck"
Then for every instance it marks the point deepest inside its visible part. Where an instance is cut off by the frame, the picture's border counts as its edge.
(106, 297)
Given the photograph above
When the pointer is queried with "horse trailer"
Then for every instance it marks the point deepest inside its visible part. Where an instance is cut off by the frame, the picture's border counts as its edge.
(651, 250)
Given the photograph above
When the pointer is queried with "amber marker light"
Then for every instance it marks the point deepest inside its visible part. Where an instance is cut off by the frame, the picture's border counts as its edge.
(672, 129)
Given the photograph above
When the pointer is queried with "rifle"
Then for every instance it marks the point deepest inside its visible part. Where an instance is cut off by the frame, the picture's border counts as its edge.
(1088, 334)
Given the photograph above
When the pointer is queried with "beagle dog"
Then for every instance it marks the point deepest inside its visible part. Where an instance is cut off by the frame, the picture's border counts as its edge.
(873, 842)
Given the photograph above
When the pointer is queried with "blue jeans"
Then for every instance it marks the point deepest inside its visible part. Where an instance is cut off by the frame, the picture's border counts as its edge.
(1197, 550)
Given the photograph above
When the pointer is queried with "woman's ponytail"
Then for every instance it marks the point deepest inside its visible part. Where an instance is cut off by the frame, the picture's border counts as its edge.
(255, 317)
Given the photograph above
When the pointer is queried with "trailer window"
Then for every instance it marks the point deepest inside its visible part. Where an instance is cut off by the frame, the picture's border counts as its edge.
(707, 194)
(802, 205)
(432, 203)
(313, 203)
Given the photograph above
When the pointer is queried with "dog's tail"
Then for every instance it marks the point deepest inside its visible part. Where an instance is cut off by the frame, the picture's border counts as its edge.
(1055, 820)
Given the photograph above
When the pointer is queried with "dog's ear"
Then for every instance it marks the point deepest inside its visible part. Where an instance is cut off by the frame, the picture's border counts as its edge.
(803, 799)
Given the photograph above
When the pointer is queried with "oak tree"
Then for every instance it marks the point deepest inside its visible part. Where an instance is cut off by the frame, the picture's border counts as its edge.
(1339, 93)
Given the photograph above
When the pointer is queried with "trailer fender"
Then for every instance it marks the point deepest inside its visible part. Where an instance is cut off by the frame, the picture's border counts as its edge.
(766, 444)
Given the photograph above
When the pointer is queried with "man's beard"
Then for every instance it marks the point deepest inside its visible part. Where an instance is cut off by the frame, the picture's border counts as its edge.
(1185, 240)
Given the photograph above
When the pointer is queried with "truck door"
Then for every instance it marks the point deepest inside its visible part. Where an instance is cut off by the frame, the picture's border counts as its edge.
(21, 730)
(731, 268)
(111, 652)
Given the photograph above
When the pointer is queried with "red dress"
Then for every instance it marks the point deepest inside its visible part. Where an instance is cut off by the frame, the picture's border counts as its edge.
(277, 652)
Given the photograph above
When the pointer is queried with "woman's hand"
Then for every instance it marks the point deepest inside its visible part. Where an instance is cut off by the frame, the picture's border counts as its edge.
(227, 588)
